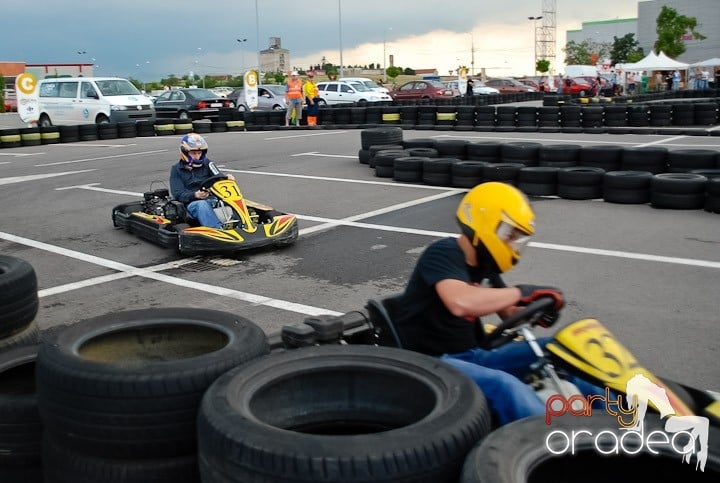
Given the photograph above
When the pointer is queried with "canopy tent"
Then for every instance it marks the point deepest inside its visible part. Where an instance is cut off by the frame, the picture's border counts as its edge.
(654, 62)
(715, 61)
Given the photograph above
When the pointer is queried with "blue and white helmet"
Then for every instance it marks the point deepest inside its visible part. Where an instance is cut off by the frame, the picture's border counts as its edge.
(193, 142)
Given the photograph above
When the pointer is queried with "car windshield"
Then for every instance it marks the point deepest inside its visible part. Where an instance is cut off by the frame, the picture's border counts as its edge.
(370, 84)
(278, 90)
(117, 87)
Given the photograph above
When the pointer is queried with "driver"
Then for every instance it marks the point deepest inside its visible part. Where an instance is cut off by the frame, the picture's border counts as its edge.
(457, 280)
(187, 177)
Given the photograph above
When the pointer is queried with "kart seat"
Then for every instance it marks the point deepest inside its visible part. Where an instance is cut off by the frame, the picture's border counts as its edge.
(379, 314)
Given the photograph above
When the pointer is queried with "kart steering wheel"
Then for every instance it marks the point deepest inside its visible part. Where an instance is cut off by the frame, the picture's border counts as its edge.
(212, 180)
(529, 314)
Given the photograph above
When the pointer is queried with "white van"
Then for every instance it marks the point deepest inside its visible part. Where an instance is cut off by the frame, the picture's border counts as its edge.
(85, 100)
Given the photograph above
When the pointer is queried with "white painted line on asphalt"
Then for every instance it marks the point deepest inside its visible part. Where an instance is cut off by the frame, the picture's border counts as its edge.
(68, 287)
(634, 256)
(293, 136)
(92, 187)
(661, 141)
(147, 273)
(342, 180)
(19, 155)
(114, 156)
(90, 145)
(313, 153)
(35, 177)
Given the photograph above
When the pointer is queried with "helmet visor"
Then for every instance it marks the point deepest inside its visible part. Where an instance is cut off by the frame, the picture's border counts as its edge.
(513, 237)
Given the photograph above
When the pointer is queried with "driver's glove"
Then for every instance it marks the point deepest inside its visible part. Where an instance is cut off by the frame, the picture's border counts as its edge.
(531, 293)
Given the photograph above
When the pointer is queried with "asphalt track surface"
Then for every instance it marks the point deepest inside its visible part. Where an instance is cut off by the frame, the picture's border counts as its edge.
(652, 276)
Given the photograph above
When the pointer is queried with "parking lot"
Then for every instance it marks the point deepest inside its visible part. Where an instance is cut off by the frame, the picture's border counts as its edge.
(650, 275)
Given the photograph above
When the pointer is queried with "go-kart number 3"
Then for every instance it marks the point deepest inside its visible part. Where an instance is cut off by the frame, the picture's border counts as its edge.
(228, 190)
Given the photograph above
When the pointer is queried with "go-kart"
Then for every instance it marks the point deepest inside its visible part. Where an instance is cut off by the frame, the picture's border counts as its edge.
(246, 224)
(584, 348)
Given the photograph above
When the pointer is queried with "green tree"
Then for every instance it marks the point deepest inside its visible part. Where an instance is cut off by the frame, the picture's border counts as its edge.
(409, 71)
(542, 66)
(393, 71)
(2, 94)
(624, 49)
(582, 53)
(671, 27)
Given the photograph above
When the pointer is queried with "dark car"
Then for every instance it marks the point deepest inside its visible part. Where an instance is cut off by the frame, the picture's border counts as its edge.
(509, 86)
(422, 89)
(190, 103)
(271, 97)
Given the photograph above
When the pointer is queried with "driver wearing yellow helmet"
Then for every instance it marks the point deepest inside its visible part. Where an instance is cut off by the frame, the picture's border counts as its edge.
(457, 280)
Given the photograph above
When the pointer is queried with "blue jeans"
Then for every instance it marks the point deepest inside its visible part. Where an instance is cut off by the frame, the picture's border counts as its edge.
(202, 211)
(498, 372)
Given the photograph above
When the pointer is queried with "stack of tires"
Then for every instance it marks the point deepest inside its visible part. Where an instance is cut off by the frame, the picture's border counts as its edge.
(20, 425)
(119, 394)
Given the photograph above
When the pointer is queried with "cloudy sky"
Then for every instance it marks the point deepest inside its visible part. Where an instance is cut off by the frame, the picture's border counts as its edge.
(150, 40)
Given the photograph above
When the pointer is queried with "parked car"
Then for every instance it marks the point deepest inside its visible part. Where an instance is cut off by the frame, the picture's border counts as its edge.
(10, 100)
(452, 85)
(577, 85)
(508, 86)
(222, 91)
(422, 89)
(369, 83)
(271, 97)
(606, 88)
(482, 89)
(530, 83)
(338, 92)
(190, 103)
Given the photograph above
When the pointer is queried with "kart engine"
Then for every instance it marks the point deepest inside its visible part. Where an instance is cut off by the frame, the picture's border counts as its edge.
(158, 203)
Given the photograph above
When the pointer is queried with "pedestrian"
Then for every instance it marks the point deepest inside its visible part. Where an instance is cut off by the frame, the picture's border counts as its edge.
(312, 98)
(293, 99)
(469, 89)
(676, 80)
(705, 78)
(187, 177)
(658, 81)
(669, 81)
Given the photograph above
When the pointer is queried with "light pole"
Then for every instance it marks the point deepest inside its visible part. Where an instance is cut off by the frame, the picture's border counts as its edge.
(139, 68)
(534, 20)
(197, 65)
(342, 72)
(384, 57)
(242, 53)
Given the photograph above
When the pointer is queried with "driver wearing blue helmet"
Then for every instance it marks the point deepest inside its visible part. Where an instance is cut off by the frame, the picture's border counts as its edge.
(187, 177)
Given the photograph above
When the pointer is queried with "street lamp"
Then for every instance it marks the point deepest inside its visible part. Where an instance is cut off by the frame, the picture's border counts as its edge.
(535, 19)
(342, 72)
(242, 53)
(384, 61)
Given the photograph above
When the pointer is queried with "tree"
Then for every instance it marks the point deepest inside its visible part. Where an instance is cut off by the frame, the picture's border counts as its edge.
(582, 53)
(542, 66)
(409, 71)
(671, 28)
(393, 71)
(624, 49)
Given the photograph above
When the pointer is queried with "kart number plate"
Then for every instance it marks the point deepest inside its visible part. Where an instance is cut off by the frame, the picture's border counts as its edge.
(216, 104)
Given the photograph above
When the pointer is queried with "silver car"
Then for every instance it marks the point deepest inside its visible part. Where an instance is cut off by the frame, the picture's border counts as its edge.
(271, 97)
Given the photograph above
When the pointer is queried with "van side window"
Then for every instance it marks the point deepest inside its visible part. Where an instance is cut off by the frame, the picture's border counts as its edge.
(68, 89)
(87, 91)
(49, 89)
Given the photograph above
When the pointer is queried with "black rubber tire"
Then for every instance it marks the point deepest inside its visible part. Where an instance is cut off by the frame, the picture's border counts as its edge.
(712, 204)
(606, 157)
(520, 152)
(503, 172)
(516, 453)
(364, 156)
(685, 160)
(18, 295)
(452, 148)
(383, 171)
(679, 183)
(28, 336)
(676, 201)
(62, 465)
(439, 165)
(419, 143)
(20, 425)
(647, 158)
(380, 135)
(346, 414)
(559, 155)
(468, 168)
(628, 180)
(129, 384)
(580, 183)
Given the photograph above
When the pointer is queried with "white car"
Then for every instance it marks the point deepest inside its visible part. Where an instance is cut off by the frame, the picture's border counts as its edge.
(480, 89)
(367, 82)
(341, 92)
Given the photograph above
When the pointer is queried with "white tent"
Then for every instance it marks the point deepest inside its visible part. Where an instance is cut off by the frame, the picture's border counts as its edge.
(654, 62)
(715, 61)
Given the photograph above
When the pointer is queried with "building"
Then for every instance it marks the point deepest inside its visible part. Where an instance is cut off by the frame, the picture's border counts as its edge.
(644, 27)
(275, 58)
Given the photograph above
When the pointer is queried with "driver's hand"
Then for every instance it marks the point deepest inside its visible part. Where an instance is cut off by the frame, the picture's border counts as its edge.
(231, 177)
(531, 293)
(201, 195)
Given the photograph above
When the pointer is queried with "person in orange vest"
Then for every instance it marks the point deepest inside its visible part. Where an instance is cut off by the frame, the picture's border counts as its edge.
(293, 98)
(312, 96)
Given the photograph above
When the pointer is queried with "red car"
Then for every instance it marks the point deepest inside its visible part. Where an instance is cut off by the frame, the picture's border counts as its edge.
(579, 86)
(421, 89)
(509, 86)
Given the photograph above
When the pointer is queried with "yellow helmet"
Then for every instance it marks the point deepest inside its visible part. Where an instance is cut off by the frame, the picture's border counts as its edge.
(498, 221)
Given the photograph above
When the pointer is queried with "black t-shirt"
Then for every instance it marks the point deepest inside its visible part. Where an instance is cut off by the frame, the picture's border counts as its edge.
(421, 319)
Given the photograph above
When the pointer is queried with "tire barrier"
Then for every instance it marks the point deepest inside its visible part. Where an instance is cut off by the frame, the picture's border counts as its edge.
(123, 390)
(18, 295)
(616, 174)
(403, 416)
(30, 136)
